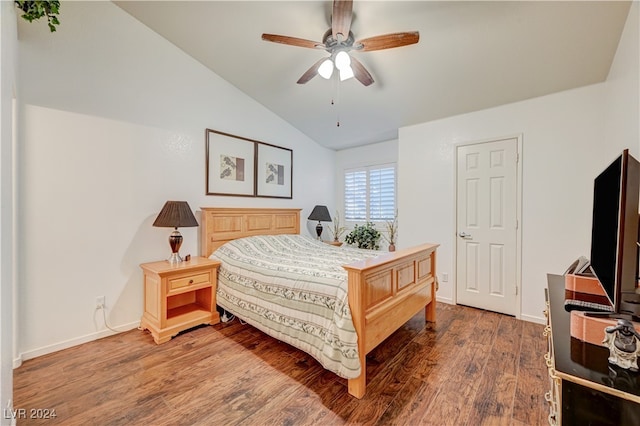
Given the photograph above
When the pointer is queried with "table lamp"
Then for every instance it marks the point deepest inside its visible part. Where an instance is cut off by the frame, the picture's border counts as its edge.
(321, 214)
(175, 214)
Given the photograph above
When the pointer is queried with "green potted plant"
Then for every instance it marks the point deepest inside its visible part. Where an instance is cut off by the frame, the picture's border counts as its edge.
(391, 228)
(36, 9)
(364, 236)
(336, 228)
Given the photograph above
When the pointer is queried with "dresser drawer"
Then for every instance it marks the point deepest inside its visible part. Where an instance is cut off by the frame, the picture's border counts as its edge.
(180, 283)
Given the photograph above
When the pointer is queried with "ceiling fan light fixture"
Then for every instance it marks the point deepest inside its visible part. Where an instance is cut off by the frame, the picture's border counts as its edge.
(346, 73)
(338, 41)
(326, 69)
(342, 60)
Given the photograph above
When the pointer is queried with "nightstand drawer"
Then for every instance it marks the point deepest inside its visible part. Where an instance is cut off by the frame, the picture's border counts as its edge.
(190, 280)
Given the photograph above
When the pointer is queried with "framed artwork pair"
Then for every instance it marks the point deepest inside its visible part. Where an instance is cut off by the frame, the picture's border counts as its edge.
(244, 167)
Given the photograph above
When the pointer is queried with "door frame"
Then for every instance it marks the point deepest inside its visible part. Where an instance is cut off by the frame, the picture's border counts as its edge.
(518, 140)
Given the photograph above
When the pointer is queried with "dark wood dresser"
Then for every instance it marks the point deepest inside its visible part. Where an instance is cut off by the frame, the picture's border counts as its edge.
(584, 388)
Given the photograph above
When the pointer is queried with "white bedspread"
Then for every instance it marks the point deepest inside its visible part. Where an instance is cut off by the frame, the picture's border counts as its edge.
(294, 289)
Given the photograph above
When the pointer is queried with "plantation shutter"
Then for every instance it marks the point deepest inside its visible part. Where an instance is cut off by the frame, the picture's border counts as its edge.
(355, 195)
(382, 193)
(370, 193)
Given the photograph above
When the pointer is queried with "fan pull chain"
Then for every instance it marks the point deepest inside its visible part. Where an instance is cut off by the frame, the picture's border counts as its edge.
(336, 90)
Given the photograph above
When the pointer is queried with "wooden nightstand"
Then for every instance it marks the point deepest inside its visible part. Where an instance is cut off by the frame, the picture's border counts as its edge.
(179, 296)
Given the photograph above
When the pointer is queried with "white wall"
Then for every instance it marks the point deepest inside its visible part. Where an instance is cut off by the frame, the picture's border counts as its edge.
(8, 63)
(561, 138)
(113, 125)
(622, 118)
(378, 153)
(568, 138)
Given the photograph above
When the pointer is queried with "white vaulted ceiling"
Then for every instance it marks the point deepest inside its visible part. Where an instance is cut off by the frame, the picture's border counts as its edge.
(471, 56)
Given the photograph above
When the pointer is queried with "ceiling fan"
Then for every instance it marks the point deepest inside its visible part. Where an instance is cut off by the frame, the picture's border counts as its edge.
(339, 41)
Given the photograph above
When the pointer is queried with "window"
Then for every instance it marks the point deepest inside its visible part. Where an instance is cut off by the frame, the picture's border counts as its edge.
(370, 193)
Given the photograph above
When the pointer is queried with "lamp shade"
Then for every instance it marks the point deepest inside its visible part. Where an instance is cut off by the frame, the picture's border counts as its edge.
(175, 214)
(326, 69)
(342, 60)
(321, 214)
(346, 73)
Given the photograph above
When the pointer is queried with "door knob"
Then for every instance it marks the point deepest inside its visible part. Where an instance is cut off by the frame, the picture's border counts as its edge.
(464, 235)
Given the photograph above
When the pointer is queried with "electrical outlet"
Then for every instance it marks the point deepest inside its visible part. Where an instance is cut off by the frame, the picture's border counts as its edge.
(445, 277)
(100, 302)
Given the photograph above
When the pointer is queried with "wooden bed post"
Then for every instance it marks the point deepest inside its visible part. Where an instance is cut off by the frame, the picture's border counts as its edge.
(384, 293)
(358, 385)
(430, 309)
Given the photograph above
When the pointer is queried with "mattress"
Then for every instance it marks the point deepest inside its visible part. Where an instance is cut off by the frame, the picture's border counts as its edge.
(294, 288)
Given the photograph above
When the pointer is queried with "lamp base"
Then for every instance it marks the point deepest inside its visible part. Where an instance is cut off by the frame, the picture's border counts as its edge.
(175, 258)
(319, 230)
(175, 241)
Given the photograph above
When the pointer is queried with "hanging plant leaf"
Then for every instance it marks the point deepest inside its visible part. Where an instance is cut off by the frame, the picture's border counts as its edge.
(36, 9)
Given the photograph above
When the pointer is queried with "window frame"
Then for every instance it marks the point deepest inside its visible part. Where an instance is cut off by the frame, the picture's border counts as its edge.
(368, 169)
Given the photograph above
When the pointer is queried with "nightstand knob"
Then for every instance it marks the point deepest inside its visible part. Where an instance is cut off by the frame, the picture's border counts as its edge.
(190, 281)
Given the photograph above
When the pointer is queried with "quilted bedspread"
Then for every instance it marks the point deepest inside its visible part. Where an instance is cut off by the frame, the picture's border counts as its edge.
(294, 288)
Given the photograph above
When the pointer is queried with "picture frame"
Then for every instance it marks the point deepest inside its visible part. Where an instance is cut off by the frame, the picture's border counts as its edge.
(274, 171)
(230, 164)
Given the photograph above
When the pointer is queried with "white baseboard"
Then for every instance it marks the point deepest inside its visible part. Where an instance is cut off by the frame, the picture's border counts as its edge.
(523, 317)
(447, 300)
(34, 353)
(531, 318)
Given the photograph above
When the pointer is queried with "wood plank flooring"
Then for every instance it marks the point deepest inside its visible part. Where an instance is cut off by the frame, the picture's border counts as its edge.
(471, 367)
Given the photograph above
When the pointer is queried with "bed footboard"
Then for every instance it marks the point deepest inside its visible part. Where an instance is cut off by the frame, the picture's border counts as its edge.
(384, 293)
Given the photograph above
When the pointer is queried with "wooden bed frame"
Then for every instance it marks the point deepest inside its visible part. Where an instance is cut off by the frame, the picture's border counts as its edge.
(384, 292)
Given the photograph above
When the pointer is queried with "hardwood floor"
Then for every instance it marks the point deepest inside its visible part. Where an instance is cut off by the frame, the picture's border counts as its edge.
(472, 367)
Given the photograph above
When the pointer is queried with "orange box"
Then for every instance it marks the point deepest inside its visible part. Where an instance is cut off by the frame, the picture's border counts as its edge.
(585, 288)
(583, 284)
(590, 329)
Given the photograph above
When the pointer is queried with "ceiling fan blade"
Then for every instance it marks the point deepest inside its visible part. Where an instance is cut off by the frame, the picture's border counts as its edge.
(292, 41)
(341, 18)
(311, 72)
(360, 72)
(387, 41)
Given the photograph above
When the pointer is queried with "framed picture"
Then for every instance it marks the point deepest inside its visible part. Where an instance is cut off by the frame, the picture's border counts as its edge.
(230, 164)
(274, 171)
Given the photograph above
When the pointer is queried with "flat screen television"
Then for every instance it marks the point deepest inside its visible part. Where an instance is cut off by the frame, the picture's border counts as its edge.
(614, 233)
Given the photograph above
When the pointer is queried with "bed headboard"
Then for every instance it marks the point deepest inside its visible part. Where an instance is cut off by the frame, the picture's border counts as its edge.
(221, 224)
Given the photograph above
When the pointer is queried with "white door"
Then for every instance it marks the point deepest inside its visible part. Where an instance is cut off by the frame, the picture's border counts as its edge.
(486, 275)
